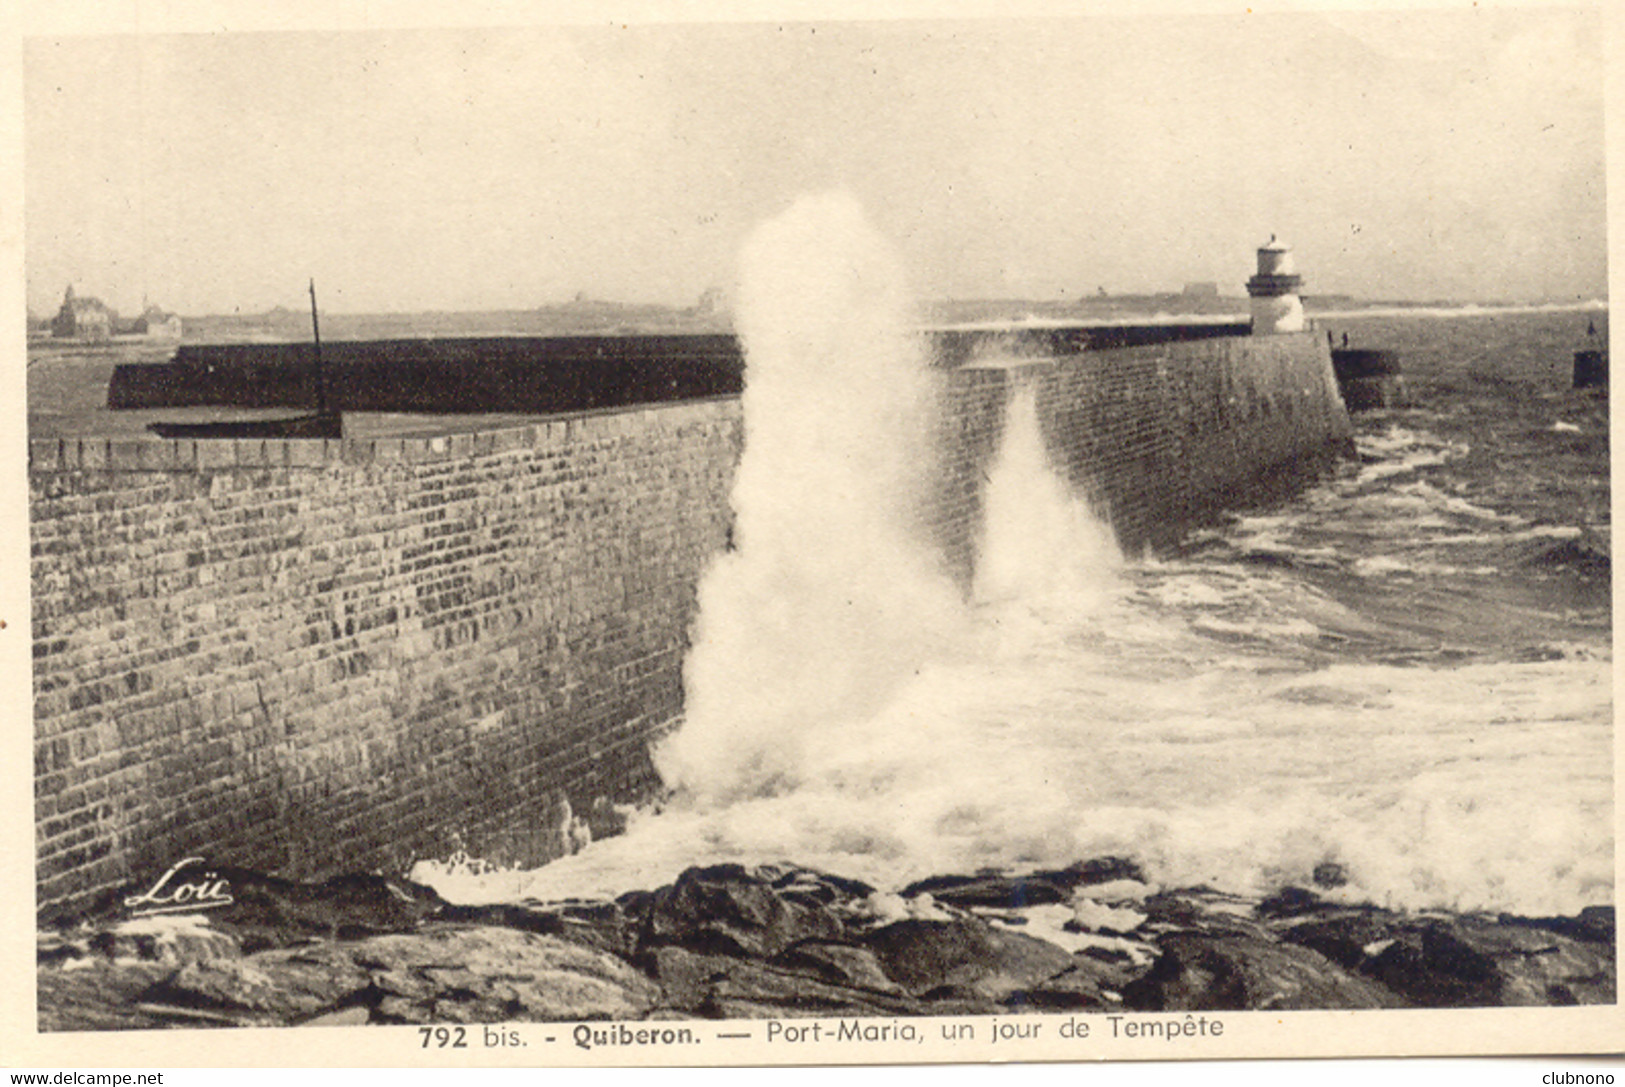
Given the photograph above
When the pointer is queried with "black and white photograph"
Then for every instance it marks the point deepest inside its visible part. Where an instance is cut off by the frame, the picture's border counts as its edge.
(558, 538)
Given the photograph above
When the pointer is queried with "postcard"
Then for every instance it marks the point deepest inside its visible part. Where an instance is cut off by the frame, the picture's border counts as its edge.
(569, 538)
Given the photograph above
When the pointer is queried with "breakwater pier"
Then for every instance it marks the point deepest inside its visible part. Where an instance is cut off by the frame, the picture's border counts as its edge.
(320, 655)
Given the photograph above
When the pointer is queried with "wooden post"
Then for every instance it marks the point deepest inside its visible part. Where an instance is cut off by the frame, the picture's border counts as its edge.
(316, 336)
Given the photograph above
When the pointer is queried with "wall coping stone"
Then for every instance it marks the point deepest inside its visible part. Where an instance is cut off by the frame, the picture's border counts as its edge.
(51, 456)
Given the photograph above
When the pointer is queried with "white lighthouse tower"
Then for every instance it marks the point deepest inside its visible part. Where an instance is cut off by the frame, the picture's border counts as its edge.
(1275, 303)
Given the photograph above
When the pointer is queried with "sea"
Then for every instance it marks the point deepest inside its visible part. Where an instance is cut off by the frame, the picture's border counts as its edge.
(1393, 686)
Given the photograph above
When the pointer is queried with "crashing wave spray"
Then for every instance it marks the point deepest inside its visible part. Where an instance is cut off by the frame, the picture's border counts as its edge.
(1038, 541)
(845, 706)
(833, 598)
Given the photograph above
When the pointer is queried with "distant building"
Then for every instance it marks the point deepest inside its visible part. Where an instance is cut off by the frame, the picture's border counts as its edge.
(714, 300)
(86, 318)
(158, 324)
(1329, 301)
(1201, 290)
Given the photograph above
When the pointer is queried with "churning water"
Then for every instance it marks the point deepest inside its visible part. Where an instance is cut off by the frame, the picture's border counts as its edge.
(1404, 671)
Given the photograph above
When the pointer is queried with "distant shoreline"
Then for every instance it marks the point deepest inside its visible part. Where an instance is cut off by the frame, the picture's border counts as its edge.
(611, 319)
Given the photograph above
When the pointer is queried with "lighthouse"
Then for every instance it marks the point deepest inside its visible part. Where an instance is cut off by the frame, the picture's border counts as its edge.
(1276, 306)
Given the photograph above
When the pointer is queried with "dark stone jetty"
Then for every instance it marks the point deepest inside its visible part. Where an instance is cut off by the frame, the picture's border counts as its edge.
(1369, 379)
(540, 374)
(780, 941)
(524, 374)
(1590, 369)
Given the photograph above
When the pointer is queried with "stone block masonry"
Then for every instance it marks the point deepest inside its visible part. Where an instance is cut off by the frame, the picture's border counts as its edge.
(319, 656)
(1158, 437)
(1166, 436)
(313, 657)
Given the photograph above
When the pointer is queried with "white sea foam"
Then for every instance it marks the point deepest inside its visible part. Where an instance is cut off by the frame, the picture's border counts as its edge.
(833, 598)
(1038, 538)
(1483, 786)
(1427, 495)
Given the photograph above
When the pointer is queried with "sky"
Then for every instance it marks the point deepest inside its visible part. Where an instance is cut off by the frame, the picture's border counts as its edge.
(1451, 155)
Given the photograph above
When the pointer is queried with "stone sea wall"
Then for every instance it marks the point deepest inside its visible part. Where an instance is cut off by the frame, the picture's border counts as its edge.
(323, 656)
(313, 657)
(1157, 437)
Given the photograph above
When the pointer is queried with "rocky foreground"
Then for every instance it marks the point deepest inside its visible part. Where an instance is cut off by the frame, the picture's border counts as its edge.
(780, 941)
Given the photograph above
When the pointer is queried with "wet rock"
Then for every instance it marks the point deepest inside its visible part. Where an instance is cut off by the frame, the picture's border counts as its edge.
(1203, 972)
(1347, 937)
(400, 1009)
(1098, 870)
(53, 948)
(991, 892)
(355, 1016)
(178, 1015)
(265, 911)
(1042, 888)
(603, 926)
(1116, 968)
(1202, 911)
(1461, 961)
(812, 888)
(457, 1008)
(839, 964)
(1291, 902)
(1433, 968)
(1088, 984)
(96, 994)
(730, 910)
(779, 940)
(688, 979)
(1542, 968)
(1329, 874)
(965, 956)
(279, 912)
(724, 987)
(450, 973)
(272, 988)
(635, 904)
(1594, 923)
